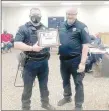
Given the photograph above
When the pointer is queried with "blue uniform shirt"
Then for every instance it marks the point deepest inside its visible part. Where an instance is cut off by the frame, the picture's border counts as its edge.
(27, 34)
(72, 37)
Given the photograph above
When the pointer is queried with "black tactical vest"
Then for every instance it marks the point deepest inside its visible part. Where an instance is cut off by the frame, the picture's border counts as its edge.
(32, 38)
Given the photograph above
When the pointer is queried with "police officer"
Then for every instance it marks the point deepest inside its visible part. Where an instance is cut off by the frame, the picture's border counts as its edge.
(74, 39)
(36, 63)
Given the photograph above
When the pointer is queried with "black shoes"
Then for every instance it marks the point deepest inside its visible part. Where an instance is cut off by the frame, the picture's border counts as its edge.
(68, 100)
(48, 107)
(78, 109)
(45, 106)
(64, 101)
(25, 109)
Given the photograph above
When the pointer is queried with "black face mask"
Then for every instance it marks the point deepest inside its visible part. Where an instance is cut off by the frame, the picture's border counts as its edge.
(35, 19)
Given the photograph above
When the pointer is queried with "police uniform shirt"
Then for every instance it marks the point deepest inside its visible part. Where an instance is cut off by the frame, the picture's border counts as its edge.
(72, 37)
(28, 34)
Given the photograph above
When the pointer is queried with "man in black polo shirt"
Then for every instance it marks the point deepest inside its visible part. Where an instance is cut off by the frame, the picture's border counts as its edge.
(74, 39)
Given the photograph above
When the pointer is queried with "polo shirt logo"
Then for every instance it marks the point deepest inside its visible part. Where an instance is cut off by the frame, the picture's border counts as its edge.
(74, 29)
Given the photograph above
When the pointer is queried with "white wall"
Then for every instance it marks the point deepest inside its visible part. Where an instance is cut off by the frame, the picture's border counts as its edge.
(95, 17)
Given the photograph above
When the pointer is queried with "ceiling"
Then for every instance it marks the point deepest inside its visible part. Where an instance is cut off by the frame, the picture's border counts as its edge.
(51, 3)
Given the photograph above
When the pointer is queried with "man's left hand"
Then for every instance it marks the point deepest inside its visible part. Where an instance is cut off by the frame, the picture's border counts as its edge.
(81, 67)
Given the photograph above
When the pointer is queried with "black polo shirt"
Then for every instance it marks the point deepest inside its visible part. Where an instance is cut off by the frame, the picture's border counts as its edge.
(72, 37)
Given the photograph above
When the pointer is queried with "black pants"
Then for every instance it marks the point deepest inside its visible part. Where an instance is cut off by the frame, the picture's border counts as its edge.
(31, 70)
(68, 68)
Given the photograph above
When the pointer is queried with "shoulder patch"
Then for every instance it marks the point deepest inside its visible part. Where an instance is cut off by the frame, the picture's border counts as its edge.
(86, 30)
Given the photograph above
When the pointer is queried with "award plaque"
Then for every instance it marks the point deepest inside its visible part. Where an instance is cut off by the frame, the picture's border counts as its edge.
(48, 38)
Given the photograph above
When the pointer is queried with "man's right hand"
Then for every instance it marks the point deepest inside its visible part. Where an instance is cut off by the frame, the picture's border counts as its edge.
(36, 48)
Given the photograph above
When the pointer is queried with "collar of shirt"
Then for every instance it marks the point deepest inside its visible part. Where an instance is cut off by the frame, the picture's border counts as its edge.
(29, 24)
(69, 26)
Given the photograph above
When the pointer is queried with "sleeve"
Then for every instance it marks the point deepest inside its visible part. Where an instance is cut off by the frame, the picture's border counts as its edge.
(85, 37)
(20, 35)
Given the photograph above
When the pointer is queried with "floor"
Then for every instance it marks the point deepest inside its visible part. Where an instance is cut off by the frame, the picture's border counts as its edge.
(96, 89)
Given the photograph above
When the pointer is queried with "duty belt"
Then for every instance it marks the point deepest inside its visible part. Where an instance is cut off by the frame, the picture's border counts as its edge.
(69, 57)
(37, 58)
